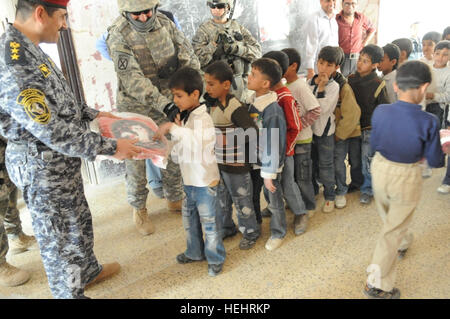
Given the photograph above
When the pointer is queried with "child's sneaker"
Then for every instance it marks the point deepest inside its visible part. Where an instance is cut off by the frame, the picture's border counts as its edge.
(246, 243)
(300, 224)
(273, 243)
(328, 207)
(365, 199)
(341, 201)
(375, 293)
(214, 269)
(444, 189)
(426, 172)
(183, 259)
(402, 253)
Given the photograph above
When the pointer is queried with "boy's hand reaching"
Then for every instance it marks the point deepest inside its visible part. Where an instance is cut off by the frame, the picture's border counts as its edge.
(163, 130)
(268, 183)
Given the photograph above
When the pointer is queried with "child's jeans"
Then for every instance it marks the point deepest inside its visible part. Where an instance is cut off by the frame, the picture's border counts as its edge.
(237, 189)
(199, 217)
(352, 147)
(366, 158)
(154, 176)
(446, 180)
(303, 174)
(258, 184)
(276, 206)
(323, 160)
(291, 191)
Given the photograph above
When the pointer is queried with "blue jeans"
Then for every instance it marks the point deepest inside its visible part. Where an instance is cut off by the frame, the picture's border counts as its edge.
(154, 176)
(237, 189)
(323, 160)
(303, 174)
(276, 206)
(291, 191)
(352, 147)
(258, 184)
(446, 180)
(366, 158)
(199, 217)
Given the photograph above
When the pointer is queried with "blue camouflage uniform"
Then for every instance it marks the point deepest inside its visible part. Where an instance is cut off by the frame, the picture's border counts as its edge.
(47, 137)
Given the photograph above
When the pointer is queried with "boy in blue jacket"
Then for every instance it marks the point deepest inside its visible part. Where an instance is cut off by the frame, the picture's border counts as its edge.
(271, 122)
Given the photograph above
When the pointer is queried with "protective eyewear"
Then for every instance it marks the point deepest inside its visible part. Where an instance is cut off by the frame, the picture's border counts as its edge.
(138, 13)
(218, 6)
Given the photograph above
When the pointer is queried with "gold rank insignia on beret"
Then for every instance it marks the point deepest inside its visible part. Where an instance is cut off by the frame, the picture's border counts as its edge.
(33, 101)
(14, 54)
(45, 70)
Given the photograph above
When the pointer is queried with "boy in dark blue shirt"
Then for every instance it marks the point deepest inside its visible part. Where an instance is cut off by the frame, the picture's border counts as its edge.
(402, 135)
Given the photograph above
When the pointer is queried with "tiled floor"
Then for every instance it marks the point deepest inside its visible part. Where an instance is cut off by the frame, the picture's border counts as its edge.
(328, 261)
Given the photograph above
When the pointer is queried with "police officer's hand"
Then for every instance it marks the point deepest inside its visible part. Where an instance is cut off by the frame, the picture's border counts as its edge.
(126, 149)
(171, 111)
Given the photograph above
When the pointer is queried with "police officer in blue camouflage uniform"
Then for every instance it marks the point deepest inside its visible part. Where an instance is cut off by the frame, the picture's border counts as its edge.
(47, 136)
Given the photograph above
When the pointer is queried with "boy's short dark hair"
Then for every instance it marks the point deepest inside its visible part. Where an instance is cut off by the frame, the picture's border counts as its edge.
(221, 71)
(269, 68)
(433, 36)
(375, 53)
(186, 79)
(404, 44)
(444, 44)
(445, 33)
(393, 52)
(412, 74)
(330, 54)
(294, 57)
(279, 56)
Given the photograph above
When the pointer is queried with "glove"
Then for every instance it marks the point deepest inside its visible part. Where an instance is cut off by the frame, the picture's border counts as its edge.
(209, 101)
(219, 52)
(231, 48)
(171, 111)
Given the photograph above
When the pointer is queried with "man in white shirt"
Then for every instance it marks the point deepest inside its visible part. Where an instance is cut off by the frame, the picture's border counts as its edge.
(321, 29)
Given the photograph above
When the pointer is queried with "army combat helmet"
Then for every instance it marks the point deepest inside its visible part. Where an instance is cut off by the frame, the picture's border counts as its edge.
(136, 5)
(128, 8)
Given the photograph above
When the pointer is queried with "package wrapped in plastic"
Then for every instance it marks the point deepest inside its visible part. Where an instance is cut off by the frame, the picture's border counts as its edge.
(136, 126)
(445, 141)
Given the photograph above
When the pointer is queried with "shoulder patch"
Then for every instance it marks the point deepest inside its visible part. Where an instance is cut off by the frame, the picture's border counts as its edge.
(35, 106)
(14, 53)
(122, 62)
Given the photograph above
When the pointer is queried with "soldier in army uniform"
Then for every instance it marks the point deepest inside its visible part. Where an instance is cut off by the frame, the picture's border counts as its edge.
(225, 39)
(147, 48)
(11, 228)
(47, 135)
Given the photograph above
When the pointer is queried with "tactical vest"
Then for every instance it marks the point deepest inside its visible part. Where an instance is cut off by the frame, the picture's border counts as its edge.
(153, 52)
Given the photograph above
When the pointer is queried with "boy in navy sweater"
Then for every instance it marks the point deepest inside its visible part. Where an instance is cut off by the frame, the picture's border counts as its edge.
(402, 135)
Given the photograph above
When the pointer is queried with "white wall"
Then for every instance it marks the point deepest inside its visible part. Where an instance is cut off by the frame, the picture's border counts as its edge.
(7, 11)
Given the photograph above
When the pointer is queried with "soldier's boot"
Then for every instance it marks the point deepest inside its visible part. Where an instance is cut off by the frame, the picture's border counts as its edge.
(143, 223)
(11, 276)
(108, 271)
(174, 206)
(22, 243)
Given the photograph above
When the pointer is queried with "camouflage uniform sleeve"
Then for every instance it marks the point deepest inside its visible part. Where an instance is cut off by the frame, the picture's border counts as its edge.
(34, 104)
(186, 55)
(89, 114)
(251, 50)
(204, 48)
(132, 79)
